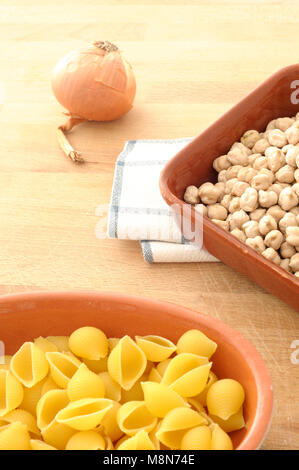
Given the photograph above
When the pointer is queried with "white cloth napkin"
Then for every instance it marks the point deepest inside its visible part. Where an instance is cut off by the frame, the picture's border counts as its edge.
(137, 210)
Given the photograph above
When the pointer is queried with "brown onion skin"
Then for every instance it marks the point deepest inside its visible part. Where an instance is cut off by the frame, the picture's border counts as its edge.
(76, 85)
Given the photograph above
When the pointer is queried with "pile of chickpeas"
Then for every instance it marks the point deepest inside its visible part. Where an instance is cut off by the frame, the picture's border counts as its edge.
(256, 197)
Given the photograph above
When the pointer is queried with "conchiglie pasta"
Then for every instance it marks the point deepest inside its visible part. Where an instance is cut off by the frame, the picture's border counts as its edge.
(32, 396)
(176, 423)
(29, 365)
(89, 342)
(135, 393)
(11, 392)
(140, 441)
(109, 424)
(112, 342)
(85, 384)
(97, 366)
(220, 439)
(61, 342)
(24, 417)
(154, 375)
(134, 416)
(160, 399)
(86, 440)
(198, 438)
(85, 414)
(126, 363)
(225, 397)
(47, 385)
(4, 362)
(233, 423)
(62, 367)
(14, 436)
(202, 397)
(45, 345)
(49, 405)
(196, 342)
(112, 388)
(37, 444)
(187, 374)
(57, 435)
(156, 348)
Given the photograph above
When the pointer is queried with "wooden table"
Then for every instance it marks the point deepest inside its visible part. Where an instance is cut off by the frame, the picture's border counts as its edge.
(193, 59)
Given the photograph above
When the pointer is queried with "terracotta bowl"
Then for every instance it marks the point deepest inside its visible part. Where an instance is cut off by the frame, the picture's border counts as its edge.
(193, 166)
(26, 316)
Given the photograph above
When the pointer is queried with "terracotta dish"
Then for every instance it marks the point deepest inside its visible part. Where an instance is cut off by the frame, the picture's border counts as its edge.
(26, 316)
(193, 166)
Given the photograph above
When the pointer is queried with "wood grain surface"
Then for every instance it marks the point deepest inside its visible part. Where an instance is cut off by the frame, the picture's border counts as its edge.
(193, 59)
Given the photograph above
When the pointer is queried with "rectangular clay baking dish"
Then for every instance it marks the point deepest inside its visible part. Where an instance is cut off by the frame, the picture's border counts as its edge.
(193, 165)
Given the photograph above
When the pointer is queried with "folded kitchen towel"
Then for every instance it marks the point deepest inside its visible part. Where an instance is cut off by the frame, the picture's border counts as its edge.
(137, 210)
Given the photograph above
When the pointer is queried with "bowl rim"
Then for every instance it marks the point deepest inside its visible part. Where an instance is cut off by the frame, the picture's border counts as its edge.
(262, 420)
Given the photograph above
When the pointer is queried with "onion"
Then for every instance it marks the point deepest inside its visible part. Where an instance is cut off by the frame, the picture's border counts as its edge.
(93, 84)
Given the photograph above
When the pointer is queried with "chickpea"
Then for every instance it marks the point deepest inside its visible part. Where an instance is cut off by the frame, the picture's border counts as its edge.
(222, 223)
(232, 172)
(237, 156)
(191, 195)
(222, 176)
(234, 205)
(236, 232)
(296, 175)
(239, 188)
(295, 188)
(272, 255)
(288, 199)
(257, 214)
(292, 235)
(240, 146)
(285, 174)
(253, 157)
(208, 193)
(288, 220)
(229, 185)
(201, 208)
(238, 218)
(276, 212)
(246, 174)
(284, 123)
(257, 243)
(260, 162)
(251, 229)
(297, 161)
(249, 138)
(267, 198)
(277, 138)
(274, 239)
(266, 224)
(296, 274)
(248, 200)
(220, 186)
(271, 125)
(277, 187)
(292, 134)
(292, 155)
(287, 250)
(275, 158)
(285, 148)
(285, 264)
(226, 200)
(221, 163)
(260, 146)
(294, 262)
(261, 181)
(295, 211)
(217, 211)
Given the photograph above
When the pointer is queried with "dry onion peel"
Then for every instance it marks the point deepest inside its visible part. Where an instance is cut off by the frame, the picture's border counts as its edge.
(93, 84)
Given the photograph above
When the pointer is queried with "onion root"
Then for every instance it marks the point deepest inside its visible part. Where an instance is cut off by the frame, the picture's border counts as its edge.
(65, 145)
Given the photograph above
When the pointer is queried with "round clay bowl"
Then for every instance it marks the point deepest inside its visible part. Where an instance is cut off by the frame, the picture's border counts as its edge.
(26, 316)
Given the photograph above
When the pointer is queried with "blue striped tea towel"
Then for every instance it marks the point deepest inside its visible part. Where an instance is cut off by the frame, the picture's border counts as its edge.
(137, 210)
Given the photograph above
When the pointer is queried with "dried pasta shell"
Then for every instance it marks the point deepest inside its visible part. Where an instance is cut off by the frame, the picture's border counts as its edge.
(89, 342)
(199, 438)
(135, 393)
(84, 414)
(86, 440)
(97, 366)
(160, 399)
(233, 423)
(187, 374)
(57, 435)
(14, 436)
(126, 363)
(47, 385)
(220, 439)
(4, 362)
(176, 423)
(112, 342)
(225, 397)
(11, 392)
(196, 342)
(85, 384)
(32, 396)
(45, 345)
(62, 367)
(112, 388)
(154, 375)
(49, 405)
(202, 397)
(29, 364)
(162, 366)
(156, 348)
(61, 342)
(36, 444)
(140, 441)
(134, 416)
(23, 417)
(109, 425)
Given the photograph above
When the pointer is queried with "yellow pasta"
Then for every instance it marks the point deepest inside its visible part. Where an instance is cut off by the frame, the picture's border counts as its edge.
(176, 423)
(37, 444)
(11, 392)
(126, 363)
(4, 362)
(47, 385)
(86, 440)
(156, 348)
(85, 384)
(89, 342)
(29, 365)
(134, 416)
(45, 345)
(198, 438)
(196, 342)
(49, 405)
(160, 399)
(135, 393)
(57, 435)
(233, 423)
(202, 397)
(187, 374)
(14, 436)
(109, 424)
(62, 367)
(154, 375)
(112, 342)
(84, 414)
(32, 396)
(97, 366)
(220, 439)
(24, 417)
(112, 388)
(61, 342)
(140, 441)
(225, 397)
